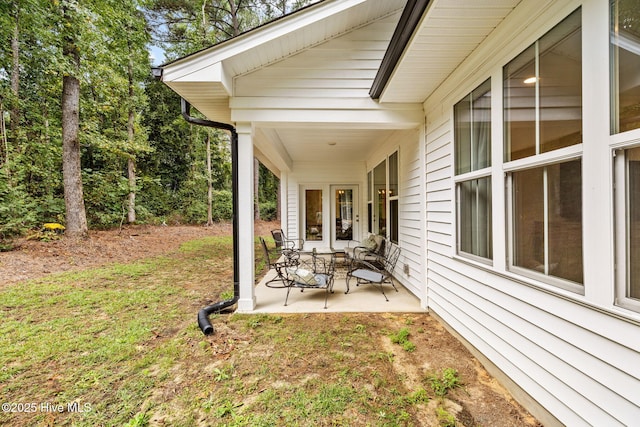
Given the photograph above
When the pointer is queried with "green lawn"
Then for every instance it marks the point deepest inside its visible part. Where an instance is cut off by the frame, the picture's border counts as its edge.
(120, 345)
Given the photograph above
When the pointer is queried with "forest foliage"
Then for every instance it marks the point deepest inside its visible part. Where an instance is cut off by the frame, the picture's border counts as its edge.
(125, 117)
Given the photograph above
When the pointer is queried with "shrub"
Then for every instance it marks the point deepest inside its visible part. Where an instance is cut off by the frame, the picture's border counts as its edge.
(17, 210)
(105, 197)
(268, 211)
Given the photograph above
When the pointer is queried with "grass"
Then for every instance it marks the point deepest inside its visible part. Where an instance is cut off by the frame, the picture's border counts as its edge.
(448, 380)
(402, 337)
(121, 343)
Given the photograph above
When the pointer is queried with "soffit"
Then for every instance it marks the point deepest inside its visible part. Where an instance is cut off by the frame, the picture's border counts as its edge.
(449, 32)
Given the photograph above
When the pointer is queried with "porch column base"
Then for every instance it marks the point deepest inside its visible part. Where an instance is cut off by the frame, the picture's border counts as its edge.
(246, 305)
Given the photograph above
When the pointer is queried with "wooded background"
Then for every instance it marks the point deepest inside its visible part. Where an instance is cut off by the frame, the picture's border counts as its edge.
(88, 139)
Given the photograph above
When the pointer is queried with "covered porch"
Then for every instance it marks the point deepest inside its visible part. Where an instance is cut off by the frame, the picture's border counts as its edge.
(365, 298)
(297, 92)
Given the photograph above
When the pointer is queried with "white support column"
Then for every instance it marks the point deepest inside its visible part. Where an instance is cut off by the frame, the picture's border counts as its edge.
(247, 301)
(597, 160)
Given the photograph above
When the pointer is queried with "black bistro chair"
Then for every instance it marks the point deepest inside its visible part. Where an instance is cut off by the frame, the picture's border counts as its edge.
(278, 266)
(285, 245)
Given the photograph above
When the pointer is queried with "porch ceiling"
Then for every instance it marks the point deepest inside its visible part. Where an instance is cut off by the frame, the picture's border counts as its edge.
(449, 31)
(313, 143)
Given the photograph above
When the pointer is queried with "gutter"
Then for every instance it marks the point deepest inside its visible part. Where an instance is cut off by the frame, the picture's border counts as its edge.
(203, 314)
(409, 20)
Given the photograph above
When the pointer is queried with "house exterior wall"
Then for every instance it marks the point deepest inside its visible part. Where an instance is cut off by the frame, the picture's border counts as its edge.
(410, 269)
(411, 218)
(329, 83)
(575, 355)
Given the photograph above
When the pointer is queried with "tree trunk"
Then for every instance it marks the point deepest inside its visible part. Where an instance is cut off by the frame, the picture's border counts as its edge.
(14, 114)
(131, 162)
(235, 23)
(131, 172)
(76, 216)
(71, 169)
(209, 183)
(5, 144)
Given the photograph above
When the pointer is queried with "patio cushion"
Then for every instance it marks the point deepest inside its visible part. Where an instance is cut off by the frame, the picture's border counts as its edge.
(370, 242)
(303, 276)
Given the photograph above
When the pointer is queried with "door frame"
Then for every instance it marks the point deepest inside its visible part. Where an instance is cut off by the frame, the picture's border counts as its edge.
(355, 209)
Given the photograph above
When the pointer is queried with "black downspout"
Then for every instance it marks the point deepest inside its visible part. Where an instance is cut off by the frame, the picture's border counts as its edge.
(203, 314)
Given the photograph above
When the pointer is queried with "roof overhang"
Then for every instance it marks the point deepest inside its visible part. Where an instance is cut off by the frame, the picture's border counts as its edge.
(205, 78)
(409, 20)
(444, 34)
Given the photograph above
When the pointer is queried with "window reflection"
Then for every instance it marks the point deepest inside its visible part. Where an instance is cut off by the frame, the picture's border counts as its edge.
(313, 214)
(380, 192)
(344, 214)
(543, 93)
(633, 222)
(550, 244)
(625, 65)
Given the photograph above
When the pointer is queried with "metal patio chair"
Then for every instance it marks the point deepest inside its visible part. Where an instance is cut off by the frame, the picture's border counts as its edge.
(283, 244)
(378, 271)
(278, 266)
(372, 249)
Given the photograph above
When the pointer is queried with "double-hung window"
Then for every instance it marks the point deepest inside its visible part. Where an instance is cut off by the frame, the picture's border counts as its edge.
(472, 133)
(542, 89)
(625, 125)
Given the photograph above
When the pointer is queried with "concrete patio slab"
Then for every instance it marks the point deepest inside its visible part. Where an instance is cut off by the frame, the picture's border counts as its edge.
(363, 299)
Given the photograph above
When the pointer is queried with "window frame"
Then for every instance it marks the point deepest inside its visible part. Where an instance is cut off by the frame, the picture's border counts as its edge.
(510, 224)
(615, 46)
(372, 198)
(540, 159)
(472, 175)
(620, 143)
(621, 227)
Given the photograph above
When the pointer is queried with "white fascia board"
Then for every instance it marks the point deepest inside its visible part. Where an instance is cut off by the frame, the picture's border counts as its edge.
(252, 39)
(370, 119)
(214, 73)
(408, 50)
(328, 103)
(348, 112)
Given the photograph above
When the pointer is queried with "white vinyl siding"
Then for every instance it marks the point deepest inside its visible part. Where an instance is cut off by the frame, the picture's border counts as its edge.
(412, 216)
(574, 355)
(567, 367)
(344, 67)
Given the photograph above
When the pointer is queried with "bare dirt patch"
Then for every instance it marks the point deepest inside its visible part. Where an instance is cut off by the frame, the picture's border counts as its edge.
(32, 259)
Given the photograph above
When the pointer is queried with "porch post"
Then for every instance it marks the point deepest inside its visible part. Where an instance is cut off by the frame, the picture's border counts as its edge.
(247, 301)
